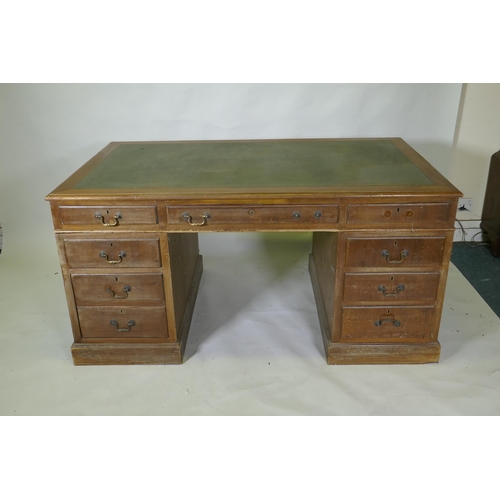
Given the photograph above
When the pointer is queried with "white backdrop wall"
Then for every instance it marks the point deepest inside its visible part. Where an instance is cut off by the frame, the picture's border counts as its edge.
(49, 130)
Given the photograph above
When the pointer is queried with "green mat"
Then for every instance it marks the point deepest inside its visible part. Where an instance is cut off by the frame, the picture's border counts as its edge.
(481, 269)
(253, 164)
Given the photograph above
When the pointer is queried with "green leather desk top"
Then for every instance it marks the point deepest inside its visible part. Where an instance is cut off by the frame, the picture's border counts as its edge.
(231, 167)
(255, 164)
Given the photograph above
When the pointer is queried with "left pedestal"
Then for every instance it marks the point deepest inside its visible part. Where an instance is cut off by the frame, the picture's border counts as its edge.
(120, 291)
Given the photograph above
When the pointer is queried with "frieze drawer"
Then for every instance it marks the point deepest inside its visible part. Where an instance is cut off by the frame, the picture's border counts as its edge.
(410, 214)
(293, 215)
(108, 216)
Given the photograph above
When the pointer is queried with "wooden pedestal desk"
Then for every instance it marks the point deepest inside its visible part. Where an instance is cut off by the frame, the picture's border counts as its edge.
(382, 220)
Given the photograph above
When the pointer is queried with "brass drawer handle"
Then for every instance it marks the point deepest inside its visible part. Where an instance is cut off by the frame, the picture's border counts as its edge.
(189, 219)
(395, 322)
(402, 255)
(120, 255)
(130, 324)
(108, 224)
(126, 289)
(399, 288)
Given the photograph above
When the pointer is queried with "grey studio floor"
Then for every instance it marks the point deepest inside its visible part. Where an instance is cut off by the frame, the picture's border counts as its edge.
(254, 347)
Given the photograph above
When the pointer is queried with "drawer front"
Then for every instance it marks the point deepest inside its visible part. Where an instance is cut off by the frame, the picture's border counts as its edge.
(248, 215)
(111, 254)
(108, 216)
(411, 214)
(395, 252)
(384, 324)
(390, 287)
(122, 322)
(117, 289)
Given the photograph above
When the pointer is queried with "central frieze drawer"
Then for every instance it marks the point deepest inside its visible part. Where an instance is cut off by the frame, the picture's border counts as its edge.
(117, 289)
(108, 216)
(112, 253)
(234, 215)
(411, 214)
(395, 252)
(387, 324)
(390, 287)
(123, 322)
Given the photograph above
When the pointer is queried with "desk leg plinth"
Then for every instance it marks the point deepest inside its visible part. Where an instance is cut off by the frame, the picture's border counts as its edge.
(342, 353)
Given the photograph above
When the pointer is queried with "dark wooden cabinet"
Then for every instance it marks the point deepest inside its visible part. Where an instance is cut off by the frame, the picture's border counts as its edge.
(490, 219)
